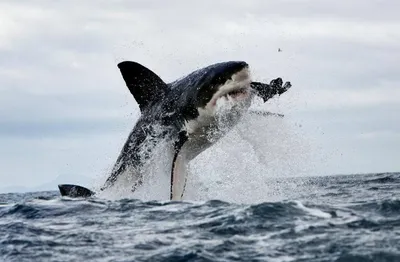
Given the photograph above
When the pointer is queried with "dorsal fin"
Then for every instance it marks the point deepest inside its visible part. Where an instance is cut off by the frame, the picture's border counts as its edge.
(144, 85)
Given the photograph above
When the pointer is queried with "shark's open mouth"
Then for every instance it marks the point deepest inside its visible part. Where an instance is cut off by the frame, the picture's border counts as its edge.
(234, 95)
(235, 89)
(238, 93)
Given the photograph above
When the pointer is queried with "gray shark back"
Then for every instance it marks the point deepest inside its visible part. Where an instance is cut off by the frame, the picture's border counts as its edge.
(147, 89)
(165, 109)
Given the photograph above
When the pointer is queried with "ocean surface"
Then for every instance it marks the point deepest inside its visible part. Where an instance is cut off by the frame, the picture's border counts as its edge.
(338, 218)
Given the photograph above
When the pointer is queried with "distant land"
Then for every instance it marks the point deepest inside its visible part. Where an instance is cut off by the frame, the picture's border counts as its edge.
(51, 185)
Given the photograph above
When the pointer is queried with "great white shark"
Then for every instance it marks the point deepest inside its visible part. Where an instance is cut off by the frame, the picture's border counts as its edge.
(192, 113)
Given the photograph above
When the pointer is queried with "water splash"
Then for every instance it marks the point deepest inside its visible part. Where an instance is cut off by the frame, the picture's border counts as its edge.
(156, 177)
(237, 168)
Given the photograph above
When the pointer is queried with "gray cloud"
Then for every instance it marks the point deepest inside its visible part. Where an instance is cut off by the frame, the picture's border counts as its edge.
(59, 81)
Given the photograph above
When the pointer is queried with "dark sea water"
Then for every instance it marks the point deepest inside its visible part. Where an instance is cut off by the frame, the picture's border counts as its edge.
(340, 218)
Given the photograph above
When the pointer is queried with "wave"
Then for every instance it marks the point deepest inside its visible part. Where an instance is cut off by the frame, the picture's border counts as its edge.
(324, 219)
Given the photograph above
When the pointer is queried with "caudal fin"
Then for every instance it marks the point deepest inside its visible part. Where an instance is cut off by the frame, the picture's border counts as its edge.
(74, 191)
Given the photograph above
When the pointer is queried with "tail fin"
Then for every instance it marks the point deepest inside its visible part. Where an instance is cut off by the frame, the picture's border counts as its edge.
(74, 191)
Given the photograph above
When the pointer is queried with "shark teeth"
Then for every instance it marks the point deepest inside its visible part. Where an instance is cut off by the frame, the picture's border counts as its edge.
(237, 93)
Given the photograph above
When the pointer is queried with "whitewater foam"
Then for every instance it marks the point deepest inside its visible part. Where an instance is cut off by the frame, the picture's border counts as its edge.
(236, 168)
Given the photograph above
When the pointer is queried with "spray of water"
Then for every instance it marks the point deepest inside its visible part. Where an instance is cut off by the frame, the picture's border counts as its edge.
(237, 168)
(155, 174)
(240, 166)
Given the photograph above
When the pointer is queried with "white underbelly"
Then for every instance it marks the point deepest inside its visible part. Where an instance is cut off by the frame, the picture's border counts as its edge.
(209, 129)
(203, 132)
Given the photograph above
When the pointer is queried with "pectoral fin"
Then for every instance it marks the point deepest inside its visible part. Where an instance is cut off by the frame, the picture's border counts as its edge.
(179, 169)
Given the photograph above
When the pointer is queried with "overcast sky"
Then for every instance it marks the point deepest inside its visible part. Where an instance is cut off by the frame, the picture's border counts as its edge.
(64, 108)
